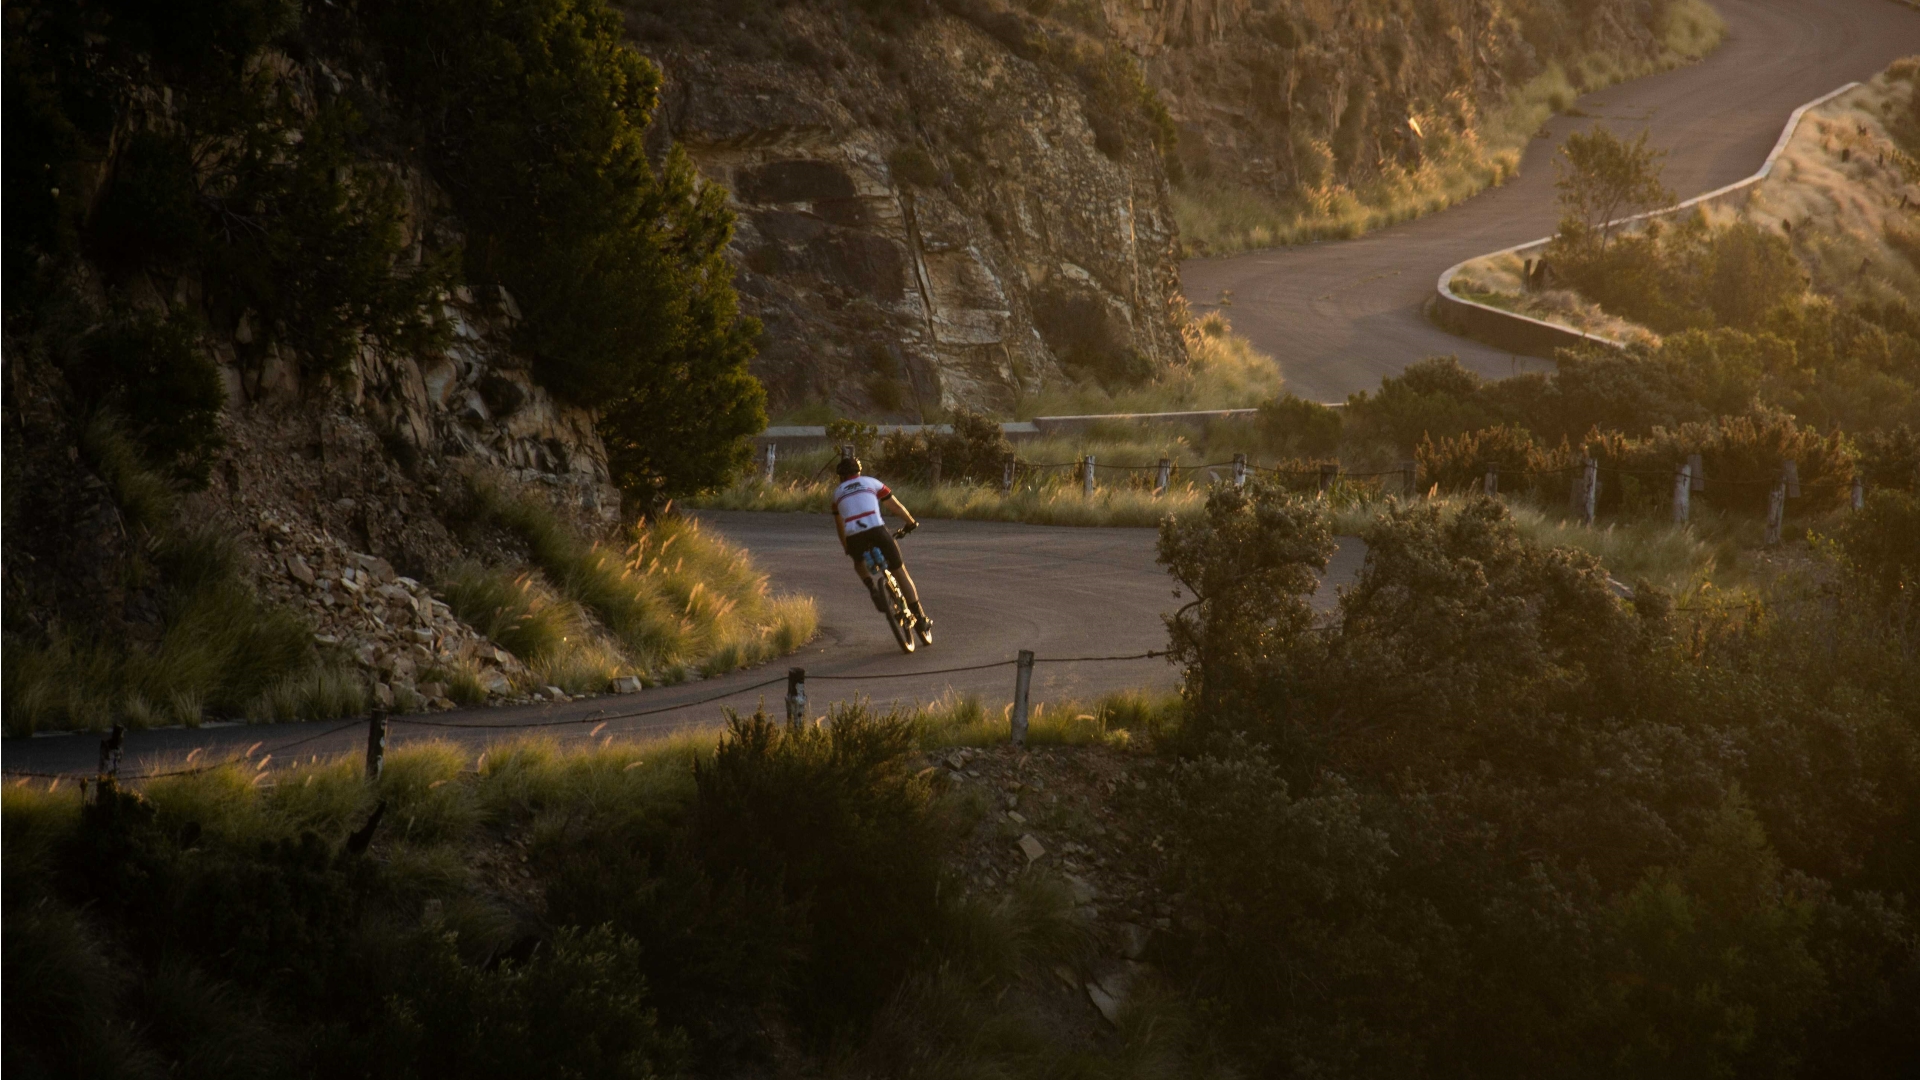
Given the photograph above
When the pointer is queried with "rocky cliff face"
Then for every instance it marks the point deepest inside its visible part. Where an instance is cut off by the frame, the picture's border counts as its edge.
(1298, 100)
(338, 491)
(927, 218)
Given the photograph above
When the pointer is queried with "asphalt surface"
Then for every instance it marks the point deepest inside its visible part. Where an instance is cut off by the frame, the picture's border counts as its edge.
(1341, 315)
(992, 588)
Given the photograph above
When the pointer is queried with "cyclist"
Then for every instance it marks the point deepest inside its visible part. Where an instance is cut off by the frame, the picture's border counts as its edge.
(857, 521)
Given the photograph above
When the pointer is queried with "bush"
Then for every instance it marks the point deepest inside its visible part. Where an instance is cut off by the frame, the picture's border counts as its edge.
(621, 270)
(975, 451)
(913, 165)
(1461, 464)
(1890, 459)
(152, 374)
(1433, 398)
(1493, 795)
(833, 818)
(1291, 425)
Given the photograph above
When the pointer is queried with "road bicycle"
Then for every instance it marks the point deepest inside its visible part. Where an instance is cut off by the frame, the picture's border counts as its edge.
(891, 602)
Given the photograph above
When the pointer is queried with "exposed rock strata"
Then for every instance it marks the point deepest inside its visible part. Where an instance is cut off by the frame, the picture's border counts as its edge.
(926, 218)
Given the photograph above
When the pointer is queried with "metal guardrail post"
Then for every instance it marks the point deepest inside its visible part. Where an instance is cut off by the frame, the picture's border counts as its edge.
(1776, 512)
(1682, 492)
(1859, 494)
(1590, 488)
(376, 743)
(771, 451)
(796, 695)
(1086, 474)
(1239, 470)
(111, 749)
(1022, 685)
(1491, 485)
(1162, 477)
(1006, 476)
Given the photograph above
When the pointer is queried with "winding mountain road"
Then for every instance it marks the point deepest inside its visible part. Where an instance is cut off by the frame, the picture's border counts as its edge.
(1338, 315)
(1341, 315)
(992, 588)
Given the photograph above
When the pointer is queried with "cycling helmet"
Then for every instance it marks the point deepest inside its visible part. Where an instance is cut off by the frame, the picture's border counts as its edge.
(848, 468)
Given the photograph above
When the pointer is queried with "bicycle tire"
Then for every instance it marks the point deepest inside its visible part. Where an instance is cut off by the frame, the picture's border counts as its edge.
(898, 620)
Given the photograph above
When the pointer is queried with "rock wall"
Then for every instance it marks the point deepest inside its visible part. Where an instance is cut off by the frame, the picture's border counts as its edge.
(1294, 98)
(927, 219)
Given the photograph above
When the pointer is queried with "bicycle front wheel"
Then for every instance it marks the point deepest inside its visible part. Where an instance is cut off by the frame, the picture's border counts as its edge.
(897, 616)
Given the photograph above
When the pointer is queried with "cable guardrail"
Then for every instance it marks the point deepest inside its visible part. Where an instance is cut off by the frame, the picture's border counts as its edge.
(112, 746)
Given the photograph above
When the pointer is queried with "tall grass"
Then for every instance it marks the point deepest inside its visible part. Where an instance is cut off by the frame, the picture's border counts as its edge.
(674, 600)
(1219, 219)
(220, 651)
(1223, 371)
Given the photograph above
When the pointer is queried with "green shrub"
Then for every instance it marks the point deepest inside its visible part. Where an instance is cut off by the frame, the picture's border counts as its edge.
(1880, 549)
(1433, 398)
(1292, 425)
(1890, 459)
(619, 265)
(975, 450)
(1493, 795)
(913, 165)
(151, 373)
(1461, 464)
(834, 818)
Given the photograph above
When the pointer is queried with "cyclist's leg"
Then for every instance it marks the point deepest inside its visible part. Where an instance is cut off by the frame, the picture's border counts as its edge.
(891, 549)
(857, 547)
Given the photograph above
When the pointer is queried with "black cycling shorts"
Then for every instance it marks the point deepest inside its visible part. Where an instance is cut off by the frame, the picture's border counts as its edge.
(878, 537)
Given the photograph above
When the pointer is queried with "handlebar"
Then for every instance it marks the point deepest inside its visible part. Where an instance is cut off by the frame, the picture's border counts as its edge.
(904, 531)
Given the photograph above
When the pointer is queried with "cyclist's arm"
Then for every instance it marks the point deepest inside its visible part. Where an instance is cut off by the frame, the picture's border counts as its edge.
(901, 509)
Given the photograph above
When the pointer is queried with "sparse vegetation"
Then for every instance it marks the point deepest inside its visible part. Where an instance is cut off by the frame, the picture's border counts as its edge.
(673, 601)
(701, 909)
(1460, 148)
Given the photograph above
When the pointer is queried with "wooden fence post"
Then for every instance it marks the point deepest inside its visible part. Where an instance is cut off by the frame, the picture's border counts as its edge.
(1163, 477)
(1491, 486)
(1022, 684)
(1790, 476)
(1239, 470)
(796, 695)
(1006, 476)
(1328, 473)
(1696, 465)
(1590, 488)
(111, 749)
(1086, 475)
(934, 459)
(1776, 512)
(1682, 489)
(771, 451)
(376, 743)
(1859, 493)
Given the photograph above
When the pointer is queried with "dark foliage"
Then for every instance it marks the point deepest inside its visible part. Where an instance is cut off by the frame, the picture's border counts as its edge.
(151, 372)
(534, 112)
(974, 451)
(789, 890)
(1494, 798)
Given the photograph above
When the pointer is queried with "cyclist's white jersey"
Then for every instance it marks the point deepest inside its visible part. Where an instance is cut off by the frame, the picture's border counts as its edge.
(858, 503)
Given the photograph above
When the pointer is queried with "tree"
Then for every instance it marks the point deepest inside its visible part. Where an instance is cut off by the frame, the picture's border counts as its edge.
(1602, 178)
(534, 115)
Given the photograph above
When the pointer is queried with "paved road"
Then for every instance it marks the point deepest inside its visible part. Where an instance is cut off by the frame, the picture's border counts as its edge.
(993, 589)
(1341, 315)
